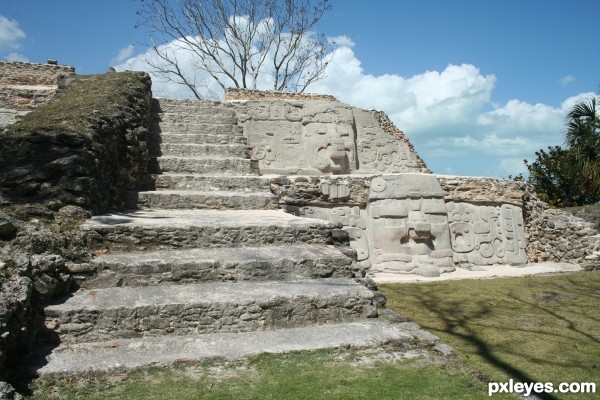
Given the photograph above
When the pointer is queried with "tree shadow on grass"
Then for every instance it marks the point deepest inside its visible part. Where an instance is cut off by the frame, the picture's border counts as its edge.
(468, 321)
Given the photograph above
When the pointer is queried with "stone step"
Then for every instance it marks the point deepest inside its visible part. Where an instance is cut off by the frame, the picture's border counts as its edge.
(216, 200)
(197, 138)
(194, 110)
(194, 117)
(205, 106)
(212, 182)
(128, 354)
(196, 128)
(199, 150)
(126, 312)
(277, 262)
(201, 165)
(172, 229)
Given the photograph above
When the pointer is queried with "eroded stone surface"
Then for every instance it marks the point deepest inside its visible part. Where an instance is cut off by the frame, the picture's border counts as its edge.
(119, 354)
(408, 225)
(485, 235)
(282, 262)
(313, 137)
(102, 314)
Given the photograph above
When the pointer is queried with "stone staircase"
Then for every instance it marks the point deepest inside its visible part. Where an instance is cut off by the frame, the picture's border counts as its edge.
(208, 267)
(200, 158)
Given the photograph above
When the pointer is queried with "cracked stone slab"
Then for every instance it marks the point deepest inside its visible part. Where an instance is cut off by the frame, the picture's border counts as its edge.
(243, 183)
(99, 314)
(127, 354)
(281, 262)
(196, 199)
(169, 229)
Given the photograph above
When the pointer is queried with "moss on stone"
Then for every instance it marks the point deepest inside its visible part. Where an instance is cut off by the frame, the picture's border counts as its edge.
(85, 105)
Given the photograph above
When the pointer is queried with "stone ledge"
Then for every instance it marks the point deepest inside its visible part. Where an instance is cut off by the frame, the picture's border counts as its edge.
(237, 94)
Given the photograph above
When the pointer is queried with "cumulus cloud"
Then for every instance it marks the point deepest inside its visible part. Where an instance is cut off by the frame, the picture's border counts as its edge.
(10, 34)
(566, 80)
(448, 115)
(123, 54)
(12, 56)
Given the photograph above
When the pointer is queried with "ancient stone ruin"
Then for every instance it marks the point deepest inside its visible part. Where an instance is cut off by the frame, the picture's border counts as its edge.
(402, 224)
(26, 86)
(253, 225)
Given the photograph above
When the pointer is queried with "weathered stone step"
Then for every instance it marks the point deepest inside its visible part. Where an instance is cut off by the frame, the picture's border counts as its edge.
(125, 312)
(170, 105)
(127, 354)
(208, 127)
(203, 109)
(201, 165)
(280, 262)
(216, 200)
(212, 182)
(199, 138)
(169, 229)
(197, 117)
(199, 150)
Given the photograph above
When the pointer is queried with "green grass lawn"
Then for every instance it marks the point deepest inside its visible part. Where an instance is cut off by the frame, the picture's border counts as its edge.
(544, 329)
(531, 329)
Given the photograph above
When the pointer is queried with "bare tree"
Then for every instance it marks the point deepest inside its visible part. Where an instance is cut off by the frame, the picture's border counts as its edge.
(238, 43)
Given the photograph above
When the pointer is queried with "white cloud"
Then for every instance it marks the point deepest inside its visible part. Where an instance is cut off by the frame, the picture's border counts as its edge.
(12, 56)
(448, 115)
(566, 80)
(10, 34)
(123, 54)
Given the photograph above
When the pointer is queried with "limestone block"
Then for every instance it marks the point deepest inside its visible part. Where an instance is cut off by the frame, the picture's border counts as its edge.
(352, 220)
(334, 191)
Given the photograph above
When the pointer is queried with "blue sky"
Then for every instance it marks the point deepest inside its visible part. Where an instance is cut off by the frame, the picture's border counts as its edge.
(477, 85)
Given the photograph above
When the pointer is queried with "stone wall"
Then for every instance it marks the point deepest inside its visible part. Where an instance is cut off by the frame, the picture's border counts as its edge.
(14, 73)
(26, 86)
(87, 151)
(557, 235)
(489, 220)
(237, 94)
(79, 153)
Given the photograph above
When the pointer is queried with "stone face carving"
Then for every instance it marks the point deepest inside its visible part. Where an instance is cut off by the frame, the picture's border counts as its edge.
(485, 235)
(301, 139)
(315, 138)
(404, 225)
(408, 225)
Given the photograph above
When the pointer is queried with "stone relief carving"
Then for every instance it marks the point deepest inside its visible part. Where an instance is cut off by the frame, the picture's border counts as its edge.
(485, 235)
(315, 138)
(299, 139)
(408, 225)
(405, 226)
(353, 220)
(378, 151)
(334, 191)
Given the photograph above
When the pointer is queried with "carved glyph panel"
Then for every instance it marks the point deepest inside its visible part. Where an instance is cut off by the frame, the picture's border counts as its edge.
(485, 235)
(377, 150)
